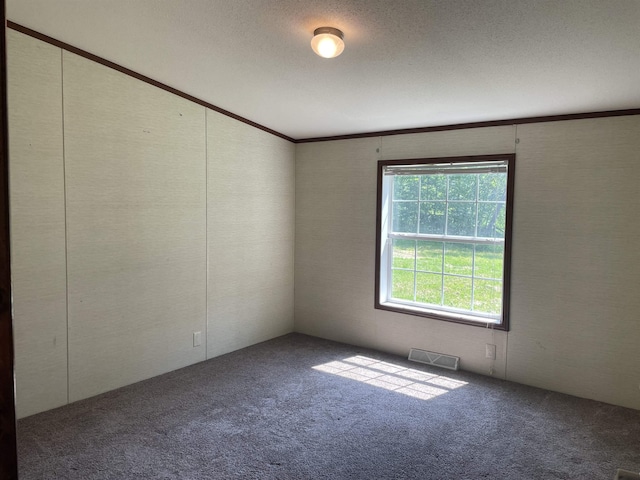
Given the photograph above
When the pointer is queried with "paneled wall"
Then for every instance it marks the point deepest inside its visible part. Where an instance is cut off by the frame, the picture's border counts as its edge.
(250, 211)
(576, 262)
(138, 219)
(37, 223)
(136, 194)
(576, 265)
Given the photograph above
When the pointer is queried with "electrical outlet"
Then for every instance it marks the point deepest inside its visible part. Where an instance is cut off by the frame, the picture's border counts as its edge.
(197, 339)
(490, 351)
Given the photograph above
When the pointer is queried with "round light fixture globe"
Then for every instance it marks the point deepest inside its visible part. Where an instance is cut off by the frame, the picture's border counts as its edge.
(328, 42)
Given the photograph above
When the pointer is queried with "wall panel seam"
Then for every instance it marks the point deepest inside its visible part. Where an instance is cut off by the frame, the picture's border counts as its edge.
(64, 189)
(506, 341)
(206, 236)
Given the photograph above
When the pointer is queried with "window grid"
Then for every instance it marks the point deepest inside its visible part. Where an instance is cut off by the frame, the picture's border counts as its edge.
(415, 248)
(475, 234)
(446, 213)
(477, 202)
(415, 270)
(415, 266)
(444, 247)
(473, 272)
(442, 280)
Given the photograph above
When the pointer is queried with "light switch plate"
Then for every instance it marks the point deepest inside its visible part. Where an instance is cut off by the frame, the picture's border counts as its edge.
(197, 339)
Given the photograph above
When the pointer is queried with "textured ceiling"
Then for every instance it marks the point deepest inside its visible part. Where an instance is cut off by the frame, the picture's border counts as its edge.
(407, 63)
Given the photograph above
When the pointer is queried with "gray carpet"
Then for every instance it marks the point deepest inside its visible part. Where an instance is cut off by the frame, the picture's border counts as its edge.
(265, 413)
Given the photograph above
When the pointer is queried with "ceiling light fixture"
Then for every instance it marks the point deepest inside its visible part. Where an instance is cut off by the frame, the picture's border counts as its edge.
(328, 42)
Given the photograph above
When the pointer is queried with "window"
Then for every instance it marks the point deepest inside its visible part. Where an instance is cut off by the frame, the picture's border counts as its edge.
(444, 238)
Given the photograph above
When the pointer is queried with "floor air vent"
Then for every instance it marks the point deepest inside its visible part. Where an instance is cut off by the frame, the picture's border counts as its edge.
(433, 358)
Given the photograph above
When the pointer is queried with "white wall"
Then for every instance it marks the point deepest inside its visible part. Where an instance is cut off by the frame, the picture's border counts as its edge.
(251, 177)
(576, 263)
(37, 223)
(576, 267)
(138, 218)
(135, 170)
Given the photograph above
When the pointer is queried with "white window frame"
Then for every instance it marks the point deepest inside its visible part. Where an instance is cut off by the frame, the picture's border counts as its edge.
(385, 236)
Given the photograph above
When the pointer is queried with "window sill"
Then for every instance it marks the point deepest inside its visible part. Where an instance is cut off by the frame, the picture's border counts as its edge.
(441, 315)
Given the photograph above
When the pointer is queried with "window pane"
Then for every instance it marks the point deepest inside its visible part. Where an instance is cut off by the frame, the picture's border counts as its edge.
(462, 187)
(432, 217)
(491, 220)
(434, 187)
(458, 258)
(404, 254)
(402, 284)
(461, 219)
(405, 217)
(493, 186)
(429, 257)
(489, 260)
(457, 292)
(405, 187)
(487, 296)
(429, 288)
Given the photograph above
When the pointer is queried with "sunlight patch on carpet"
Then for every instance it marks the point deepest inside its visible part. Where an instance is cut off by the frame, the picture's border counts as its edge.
(414, 383)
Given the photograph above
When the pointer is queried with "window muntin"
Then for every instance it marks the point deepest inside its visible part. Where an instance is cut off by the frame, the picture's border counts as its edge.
(443, 237)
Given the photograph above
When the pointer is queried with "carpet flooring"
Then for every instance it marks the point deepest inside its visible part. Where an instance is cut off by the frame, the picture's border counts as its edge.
(299, 407)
